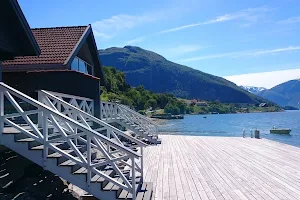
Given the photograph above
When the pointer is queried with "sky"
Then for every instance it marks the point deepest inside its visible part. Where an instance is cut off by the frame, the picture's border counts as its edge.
(254, 43)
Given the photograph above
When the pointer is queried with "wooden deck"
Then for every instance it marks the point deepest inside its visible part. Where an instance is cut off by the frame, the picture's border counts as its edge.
(199, 167)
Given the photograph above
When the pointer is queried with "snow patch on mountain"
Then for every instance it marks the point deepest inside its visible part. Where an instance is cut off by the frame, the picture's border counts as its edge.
(253, 89)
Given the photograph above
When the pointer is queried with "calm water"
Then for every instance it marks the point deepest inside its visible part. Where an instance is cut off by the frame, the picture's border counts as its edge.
(233, 124)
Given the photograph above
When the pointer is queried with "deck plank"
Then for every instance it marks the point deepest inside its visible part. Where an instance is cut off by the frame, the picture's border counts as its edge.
(210, 168)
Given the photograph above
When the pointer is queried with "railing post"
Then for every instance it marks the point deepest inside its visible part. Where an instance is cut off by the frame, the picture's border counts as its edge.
(76, 141)
(101, 110)
(1, 114)
(45, 134)
(40, 117)
(115, 110)
(75, 129)
(89, 174)
(133, 179)
(108, 135)
(93, 108)
(142, 164)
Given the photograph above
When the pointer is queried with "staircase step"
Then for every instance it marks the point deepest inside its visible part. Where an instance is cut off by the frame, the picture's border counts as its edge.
(11, 130)
(99, 179)
(41, 147)
(26, 140)
(58, 155)
(81, 170)
(110, 185)
(145, 192)
(67, 163)
(123, 194)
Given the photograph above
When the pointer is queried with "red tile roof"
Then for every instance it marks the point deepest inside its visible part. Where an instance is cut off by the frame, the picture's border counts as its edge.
(56, 45)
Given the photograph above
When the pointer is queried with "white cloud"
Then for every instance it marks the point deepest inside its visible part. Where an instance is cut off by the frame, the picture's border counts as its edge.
(291, 20)
(230, 54)
(291, 48)
(249, 15)
(238, 54)
(265, 79)
(187, 48)
(108, 28)
(136, 40)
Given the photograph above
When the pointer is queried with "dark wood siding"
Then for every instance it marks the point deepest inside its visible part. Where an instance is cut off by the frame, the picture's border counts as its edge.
(68, 82)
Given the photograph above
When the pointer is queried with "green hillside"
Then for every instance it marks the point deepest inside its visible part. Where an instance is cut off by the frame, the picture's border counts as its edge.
(159, 75)
(285, 94)
(116, 89)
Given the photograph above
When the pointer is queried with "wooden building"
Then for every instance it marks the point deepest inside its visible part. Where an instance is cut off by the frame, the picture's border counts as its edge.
(68, 63)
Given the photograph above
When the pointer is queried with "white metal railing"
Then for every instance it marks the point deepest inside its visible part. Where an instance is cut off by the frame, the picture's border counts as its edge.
(83, 103)
(82, 66)
(66, 131)
(110, 110)
(49, 99)
(148, 126)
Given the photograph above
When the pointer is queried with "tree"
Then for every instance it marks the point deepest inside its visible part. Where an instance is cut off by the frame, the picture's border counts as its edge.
(152, 103)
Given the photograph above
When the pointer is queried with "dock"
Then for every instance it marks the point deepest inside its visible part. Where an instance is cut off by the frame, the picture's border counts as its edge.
(204, 167)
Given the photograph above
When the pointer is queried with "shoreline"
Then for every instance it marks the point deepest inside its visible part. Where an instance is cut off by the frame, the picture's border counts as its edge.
(159, 121)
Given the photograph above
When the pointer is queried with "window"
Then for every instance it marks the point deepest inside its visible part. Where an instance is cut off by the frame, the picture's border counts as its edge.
(82, 66)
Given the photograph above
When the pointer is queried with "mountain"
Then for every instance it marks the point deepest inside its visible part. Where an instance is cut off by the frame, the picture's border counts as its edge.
(253, 89)
(156, 73)
(285, 94)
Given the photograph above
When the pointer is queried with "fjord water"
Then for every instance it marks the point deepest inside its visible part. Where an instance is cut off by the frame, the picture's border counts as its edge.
(233, 124)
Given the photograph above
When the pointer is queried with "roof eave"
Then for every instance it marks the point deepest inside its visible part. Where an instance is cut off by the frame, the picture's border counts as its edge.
(35, 50)
(98, 59)
(77, 46)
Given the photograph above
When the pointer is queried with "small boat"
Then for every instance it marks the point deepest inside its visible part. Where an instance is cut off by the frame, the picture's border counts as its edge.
(280, 130)
(204, 117)
(214, 113)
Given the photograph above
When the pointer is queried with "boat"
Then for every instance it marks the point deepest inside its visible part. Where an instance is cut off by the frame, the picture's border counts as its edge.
(204, 117)
(280, 130)
(214, 113)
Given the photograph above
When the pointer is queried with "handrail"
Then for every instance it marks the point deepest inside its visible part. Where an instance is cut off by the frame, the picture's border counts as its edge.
(142, 122)
(142, 125)
(136, 113)
(68, 130)
(111, 113)
(42, 106)
(94, 119)
(67, 95)
(87, 104)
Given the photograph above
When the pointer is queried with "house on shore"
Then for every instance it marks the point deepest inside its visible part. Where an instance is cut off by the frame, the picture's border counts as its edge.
(263, 105)
(68, 63)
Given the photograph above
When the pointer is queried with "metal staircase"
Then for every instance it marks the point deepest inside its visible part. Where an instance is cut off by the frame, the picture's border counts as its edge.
(80, 148)
(134, 122)
(118, 115)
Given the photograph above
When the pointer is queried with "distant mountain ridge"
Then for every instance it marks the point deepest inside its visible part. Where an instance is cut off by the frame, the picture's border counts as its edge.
(154, 72)
(284, 94)
(253, 89)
